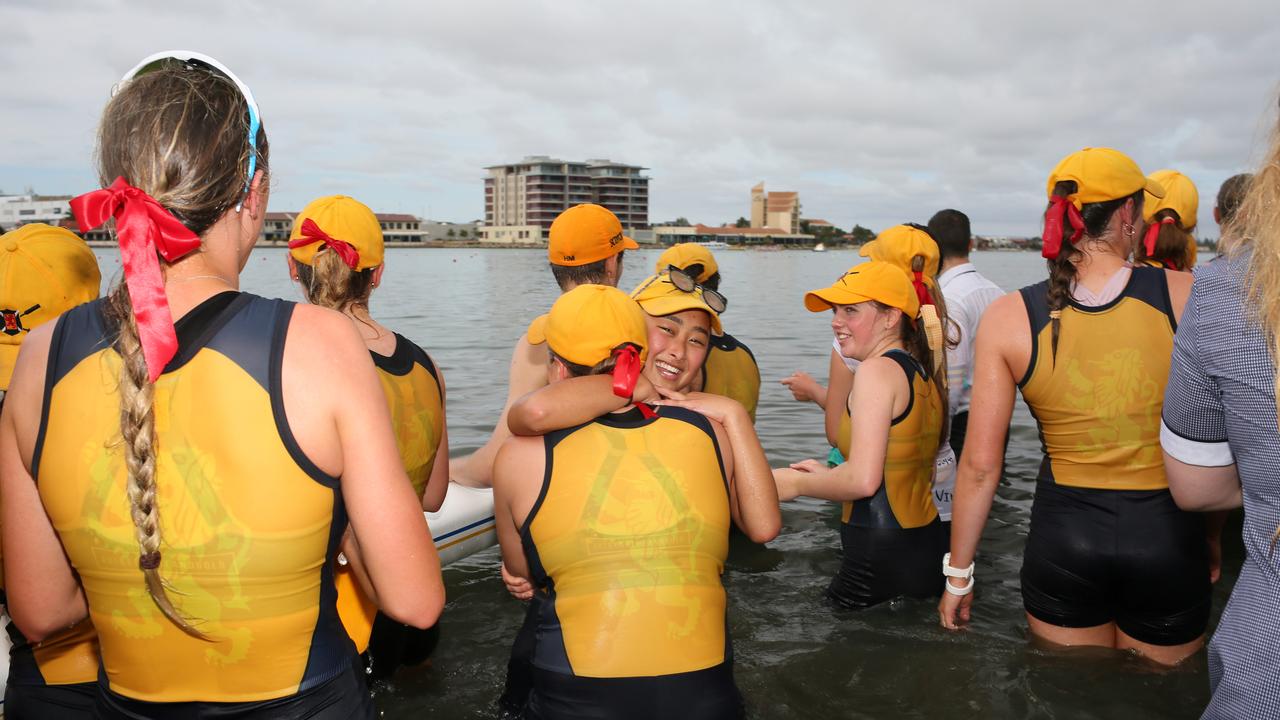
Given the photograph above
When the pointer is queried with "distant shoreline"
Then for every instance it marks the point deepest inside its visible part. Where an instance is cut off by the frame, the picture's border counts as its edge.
(439, 244)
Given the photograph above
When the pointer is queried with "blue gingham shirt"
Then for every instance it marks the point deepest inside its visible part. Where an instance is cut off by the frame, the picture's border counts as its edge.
(1219, 409)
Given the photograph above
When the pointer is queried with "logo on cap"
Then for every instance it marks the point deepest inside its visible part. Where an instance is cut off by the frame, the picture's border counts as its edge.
(13, 319)
(615, 239)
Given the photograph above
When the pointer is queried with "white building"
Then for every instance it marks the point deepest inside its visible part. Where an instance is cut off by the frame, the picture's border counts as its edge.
(16, 210)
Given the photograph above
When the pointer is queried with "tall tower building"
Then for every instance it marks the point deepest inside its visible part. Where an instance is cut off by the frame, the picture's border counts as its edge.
(535, 190)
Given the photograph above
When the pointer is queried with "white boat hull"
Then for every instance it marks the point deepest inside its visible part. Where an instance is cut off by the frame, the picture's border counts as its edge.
(464, 524)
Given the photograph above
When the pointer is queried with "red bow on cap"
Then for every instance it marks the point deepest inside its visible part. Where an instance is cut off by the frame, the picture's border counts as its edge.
(626, 373)
(1052, 238)
(143, 227)
(1153, 234)
(922, 291)
(311, 233)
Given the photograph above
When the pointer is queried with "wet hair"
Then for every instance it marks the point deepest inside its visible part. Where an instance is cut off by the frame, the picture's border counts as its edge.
(330, 282)
(1230, 195)
(1173, 243)
(181, 137)
(911, 332)
(950, 229)
(596, 273)
(1062, 269)
(575, 370)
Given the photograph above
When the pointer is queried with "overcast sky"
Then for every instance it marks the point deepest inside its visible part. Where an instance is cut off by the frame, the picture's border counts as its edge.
(876, 112)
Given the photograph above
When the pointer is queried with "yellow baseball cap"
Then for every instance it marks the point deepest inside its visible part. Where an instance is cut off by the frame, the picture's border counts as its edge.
(900, 244)
(685, 254)
(585, 234)
(44, 272)
(877, 280)
(658, 296)
(1101, 174)
(1180, 196)
(339, 218)
(589, 322)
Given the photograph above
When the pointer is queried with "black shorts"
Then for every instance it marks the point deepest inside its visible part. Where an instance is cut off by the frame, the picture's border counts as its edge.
(700, 695)
(1124, 556)
(393, 644)
(49, 702)
(345, 697)
(883, 563)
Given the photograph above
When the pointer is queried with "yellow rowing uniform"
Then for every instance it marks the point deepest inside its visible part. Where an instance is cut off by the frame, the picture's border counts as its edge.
(626, 544)
(905, 497)
(730, 370)
(1098, 401)
(251, 526)
(411, 384)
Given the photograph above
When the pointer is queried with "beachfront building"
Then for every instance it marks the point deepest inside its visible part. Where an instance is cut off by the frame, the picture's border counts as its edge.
(775, 209)
(522, 199)
(728, 235)
(396, 227)
(18, 210)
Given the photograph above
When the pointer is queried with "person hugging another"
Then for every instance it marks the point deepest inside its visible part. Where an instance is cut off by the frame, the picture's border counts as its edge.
(622, 526)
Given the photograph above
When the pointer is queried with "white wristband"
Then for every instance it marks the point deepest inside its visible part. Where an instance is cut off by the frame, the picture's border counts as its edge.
(961, 591)
(955, 572)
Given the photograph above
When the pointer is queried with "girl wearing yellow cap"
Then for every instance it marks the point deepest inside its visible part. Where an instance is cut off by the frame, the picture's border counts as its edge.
(1110, 560)
(1166, 239)
(336, 254)
(890, 531)
(203, 454)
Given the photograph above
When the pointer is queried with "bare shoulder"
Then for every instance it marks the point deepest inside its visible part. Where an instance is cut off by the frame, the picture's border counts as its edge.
(876, 371)
(519, 463)
(1179, 283)
(320, 334)
(1006, 308)
(26, 386)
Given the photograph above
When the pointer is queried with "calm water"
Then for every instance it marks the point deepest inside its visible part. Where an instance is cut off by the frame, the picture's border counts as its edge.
(796, 657)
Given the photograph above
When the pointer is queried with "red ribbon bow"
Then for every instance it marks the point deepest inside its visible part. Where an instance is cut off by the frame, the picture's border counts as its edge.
(1052, 238)
(1153, 234)
(922, 290)
(311, 233)
(626, 370)
(144, 227)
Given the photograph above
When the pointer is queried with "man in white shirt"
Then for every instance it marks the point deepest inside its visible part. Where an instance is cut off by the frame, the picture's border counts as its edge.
(967, 294)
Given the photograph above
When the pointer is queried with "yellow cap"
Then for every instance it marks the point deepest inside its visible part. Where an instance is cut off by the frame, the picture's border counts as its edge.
(44, 272)
(1180, 196)
(900, 245)
(341, 218)
(585, 234)
(1101, 174)
(589, 322)
(684, 255)
(658, 296)
(877, 280)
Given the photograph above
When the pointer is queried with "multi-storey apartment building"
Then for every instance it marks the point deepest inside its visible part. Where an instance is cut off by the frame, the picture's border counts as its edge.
(522, 199)
(17, 210)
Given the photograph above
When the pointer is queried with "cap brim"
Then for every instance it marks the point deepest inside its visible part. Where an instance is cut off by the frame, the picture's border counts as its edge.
(537, 330)
(865, 250)
(1155, 188)
(8, 358)
(672, 304)
(629, 244)
(827, 298)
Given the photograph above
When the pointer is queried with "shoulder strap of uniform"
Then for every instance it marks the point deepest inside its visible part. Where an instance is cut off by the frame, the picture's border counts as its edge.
(1151, 286)
(80, 332)
(911, 368)
(1036, 298)
(699, 421)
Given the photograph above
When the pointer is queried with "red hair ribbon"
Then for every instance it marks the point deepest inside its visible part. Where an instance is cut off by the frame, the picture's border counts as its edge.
(1153, 233)
(626, 370)
(922, 290)
(1052, 238)
(144, 227)
(311, 233)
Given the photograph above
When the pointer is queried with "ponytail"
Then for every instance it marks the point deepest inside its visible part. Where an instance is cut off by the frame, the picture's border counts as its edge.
(137, 429)
(1165, 241)
(329, 282)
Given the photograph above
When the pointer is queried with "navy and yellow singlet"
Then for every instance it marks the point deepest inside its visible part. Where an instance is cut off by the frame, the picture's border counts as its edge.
(905, 497)
(731, 371)
(626, 544)
(412, 387)
(250, 526)
(1098, 402)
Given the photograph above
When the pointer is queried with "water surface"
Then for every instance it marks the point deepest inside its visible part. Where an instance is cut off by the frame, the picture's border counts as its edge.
(796, 657)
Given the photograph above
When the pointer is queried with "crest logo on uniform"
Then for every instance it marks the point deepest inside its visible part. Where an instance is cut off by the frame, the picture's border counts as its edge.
(13, 320)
